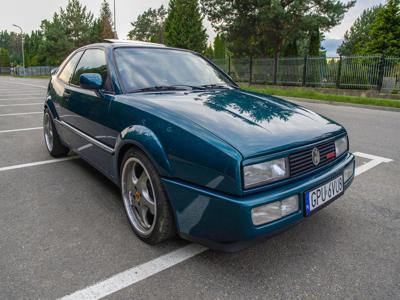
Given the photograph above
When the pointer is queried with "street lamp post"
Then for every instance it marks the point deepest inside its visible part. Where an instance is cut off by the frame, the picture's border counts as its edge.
(23, 51)
(115, 19)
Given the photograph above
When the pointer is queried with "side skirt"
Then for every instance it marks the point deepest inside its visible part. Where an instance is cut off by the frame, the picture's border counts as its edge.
(96, 153)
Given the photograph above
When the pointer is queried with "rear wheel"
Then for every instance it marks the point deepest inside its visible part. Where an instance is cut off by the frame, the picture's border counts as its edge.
(145, 201)
(51, 138)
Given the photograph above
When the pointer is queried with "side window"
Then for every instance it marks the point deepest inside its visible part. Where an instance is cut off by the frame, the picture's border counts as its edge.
(66, 73)
(92, 61)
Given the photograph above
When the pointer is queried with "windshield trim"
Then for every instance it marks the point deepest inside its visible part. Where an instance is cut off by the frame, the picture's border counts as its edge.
(232, 84)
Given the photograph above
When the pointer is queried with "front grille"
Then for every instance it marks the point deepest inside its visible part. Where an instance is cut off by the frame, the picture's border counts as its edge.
(301, 162)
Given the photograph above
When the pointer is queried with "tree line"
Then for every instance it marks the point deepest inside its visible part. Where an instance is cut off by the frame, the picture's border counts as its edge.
(69, 29)
(376, 31)
(251, 28)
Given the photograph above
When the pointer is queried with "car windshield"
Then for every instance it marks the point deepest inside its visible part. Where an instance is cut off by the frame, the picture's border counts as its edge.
(149, 69)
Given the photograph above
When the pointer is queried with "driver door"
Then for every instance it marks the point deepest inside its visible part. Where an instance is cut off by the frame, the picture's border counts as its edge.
(87, 111)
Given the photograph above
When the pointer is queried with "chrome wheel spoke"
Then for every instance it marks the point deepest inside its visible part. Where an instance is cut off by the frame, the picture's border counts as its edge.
(142, 182)
(143, 215)
(148, 202)
(48, 131)
(138, 196)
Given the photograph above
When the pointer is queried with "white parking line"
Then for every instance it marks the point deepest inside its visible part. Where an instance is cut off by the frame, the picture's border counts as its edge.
(375, 160)
(136, 274)
(131, 276)
(23, 99)
(21, 104)
(19, 94)
(372, 157)
(38, 163)
(21, 129)
(27, 84)
(20, 114)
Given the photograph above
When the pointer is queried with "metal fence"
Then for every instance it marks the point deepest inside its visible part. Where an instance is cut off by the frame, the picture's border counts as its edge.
(356, 72)
(28, 71)
(5, 70)
(33, 71)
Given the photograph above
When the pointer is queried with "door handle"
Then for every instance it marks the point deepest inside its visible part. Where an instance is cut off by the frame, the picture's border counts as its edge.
(66, 95)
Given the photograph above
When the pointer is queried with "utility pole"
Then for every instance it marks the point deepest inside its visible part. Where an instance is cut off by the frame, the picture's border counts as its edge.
(23, 51)
(115, 19)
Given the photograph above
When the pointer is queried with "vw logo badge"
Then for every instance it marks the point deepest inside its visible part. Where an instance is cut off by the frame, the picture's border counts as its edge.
(315, 156)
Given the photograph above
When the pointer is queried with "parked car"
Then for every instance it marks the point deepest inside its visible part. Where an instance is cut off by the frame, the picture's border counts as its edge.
(193, 153)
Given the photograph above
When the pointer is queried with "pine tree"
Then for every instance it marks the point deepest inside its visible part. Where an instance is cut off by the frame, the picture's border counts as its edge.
(57, 44)
(209, 52)
(254, 27)
(4, 58)
(69, 29)
(149, 26)
(357, 37)
(78, 23)
(314, 45)
(385, 31)
(184, 26)
(105, 22)
(219, 47)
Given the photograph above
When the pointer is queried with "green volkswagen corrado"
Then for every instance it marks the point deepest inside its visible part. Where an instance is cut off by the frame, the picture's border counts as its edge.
(192, 153)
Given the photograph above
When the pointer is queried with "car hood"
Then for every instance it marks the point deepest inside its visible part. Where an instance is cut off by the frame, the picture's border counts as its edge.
(252, 123)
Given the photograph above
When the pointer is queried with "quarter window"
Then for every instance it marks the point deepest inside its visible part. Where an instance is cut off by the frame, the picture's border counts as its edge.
(66, 73)
(92, 61)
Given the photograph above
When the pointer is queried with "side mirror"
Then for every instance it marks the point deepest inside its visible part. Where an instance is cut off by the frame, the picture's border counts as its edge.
(54, 71)
(91, 81)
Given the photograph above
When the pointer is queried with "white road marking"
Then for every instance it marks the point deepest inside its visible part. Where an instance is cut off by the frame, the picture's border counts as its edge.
(21, 129)
(21, 104)
(375, 160)
(131, 276)
(20, 114)
(28, 84)
(19, 94)
(136, 274)
(372, 157)
(23, 99)
(38, 163)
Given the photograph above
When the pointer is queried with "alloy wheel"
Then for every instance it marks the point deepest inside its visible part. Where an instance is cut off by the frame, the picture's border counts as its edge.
(138, 196)
(48, 131)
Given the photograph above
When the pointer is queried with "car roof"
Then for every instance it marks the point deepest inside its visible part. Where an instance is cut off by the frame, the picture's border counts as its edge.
(112, 43)
(134, 43)
(121, 43)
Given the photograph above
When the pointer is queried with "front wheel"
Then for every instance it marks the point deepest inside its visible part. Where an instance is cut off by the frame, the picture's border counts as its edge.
(145, 201)
(51, 137)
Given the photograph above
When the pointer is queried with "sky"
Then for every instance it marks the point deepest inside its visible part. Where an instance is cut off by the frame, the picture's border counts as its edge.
(29, 13)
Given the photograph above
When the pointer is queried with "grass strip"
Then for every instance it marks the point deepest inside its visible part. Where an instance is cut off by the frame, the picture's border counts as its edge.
(310, 94)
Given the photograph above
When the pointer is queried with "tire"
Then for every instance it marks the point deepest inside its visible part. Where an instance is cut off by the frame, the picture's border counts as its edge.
(51, 138)
(145, 201)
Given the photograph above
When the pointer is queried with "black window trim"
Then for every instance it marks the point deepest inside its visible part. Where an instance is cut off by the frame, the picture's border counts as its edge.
(112, 92)
(71, 56)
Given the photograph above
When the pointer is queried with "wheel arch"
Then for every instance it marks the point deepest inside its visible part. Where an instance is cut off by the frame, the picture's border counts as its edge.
(49, 105)
(145, 140)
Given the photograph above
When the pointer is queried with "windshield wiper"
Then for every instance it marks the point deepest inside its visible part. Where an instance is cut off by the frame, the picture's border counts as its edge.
(214, 86)
(176, 87)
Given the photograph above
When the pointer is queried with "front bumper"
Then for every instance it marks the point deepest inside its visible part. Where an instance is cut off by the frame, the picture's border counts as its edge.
(224, 222)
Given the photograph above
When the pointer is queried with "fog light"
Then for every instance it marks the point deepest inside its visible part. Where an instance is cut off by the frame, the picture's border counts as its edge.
(275, 210)
(348, 172)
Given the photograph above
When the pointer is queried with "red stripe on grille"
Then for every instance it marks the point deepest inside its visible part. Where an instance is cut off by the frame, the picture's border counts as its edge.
(330, 155)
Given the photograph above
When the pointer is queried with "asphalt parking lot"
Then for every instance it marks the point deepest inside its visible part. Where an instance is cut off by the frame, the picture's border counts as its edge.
(63, 230)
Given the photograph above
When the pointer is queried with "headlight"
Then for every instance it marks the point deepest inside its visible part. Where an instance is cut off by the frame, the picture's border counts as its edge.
(265, 172)
(341, 145)
(275, 210)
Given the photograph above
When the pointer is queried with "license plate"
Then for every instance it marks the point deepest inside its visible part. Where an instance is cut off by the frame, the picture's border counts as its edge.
(323, 194)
